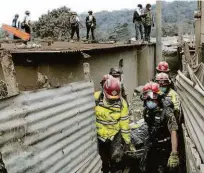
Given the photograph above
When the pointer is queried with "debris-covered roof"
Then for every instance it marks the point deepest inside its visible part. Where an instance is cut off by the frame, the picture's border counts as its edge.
(65, 47)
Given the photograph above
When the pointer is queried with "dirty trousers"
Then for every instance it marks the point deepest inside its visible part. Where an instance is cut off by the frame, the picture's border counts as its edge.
(89, 28)
(139, 29)
(158, 159)
(147, 29)
(75, 28)
(109, 152)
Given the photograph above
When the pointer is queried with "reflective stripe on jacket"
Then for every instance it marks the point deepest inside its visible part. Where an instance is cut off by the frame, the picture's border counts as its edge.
(174, 98)
(111, 119)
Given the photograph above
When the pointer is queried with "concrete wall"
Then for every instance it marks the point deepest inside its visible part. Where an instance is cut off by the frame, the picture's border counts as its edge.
(202, 21)
(146, 64)
(100, 64)
(60, 69)
(139, 65)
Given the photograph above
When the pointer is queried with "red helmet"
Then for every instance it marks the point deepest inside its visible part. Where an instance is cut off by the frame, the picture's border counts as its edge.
(151, 90)
(112, 88)
(163, 79)
(163, 67)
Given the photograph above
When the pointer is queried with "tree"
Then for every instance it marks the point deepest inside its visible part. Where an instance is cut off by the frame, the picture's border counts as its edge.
(120, 32)
(55, 24)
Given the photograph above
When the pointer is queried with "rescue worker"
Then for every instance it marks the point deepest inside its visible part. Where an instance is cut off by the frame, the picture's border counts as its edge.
(26, 24)
(161, 146)
(137, 20)
(112, 122)
(163, 67)
(90, 25)
(148, 22)
(117, 73)
(165, 87)
(74, 20)
(16, 24)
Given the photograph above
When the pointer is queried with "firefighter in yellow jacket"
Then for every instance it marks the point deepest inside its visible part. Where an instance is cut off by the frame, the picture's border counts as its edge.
(165, 86)
(112, 122)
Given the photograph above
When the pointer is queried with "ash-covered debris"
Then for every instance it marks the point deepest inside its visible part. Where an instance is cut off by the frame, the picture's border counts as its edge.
(28, 46)
(3, 89)
(136, 106)
(2, 165)
(139, 135)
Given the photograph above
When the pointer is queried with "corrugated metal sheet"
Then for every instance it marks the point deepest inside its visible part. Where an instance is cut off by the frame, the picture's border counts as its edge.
(50, 131)
(192, 100)
(193, 161)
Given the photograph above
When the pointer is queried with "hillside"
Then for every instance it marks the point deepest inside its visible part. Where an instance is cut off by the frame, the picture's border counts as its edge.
(117, 24)
(172, 14)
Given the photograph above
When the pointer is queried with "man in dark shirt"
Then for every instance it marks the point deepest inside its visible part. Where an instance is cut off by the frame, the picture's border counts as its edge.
(90, 25)
(162, 145)
(16, 24)
(137, 20)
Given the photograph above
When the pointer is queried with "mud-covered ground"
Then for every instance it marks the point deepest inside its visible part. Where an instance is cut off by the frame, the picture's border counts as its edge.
(136, 107)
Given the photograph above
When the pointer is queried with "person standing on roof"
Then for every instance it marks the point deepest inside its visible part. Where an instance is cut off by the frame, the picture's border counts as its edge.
(74, 20)
(112, 122)
(137, 20)
(161, 148)
(148, 22)
(90, 25)
(16, 24)
(27, 23)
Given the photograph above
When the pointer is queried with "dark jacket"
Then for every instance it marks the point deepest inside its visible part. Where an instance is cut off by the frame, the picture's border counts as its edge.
(16, 23)
(136, 17)
(90, 23)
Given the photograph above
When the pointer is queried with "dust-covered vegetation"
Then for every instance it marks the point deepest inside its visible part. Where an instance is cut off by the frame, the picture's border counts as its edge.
(55, 24)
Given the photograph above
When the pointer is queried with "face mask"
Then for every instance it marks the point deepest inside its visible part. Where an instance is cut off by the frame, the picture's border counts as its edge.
(163, 89)
(151, 104)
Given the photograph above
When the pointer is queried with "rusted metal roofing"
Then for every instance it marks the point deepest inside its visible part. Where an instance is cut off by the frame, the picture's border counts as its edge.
(50, 131)
(193, 161)
(66, 47)
(192, 102)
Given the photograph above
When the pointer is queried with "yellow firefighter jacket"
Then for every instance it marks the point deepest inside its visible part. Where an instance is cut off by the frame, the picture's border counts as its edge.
(173, 96)
(111, 119)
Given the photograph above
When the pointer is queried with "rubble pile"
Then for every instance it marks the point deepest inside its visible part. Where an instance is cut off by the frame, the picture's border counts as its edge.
(28, 46)
(136, 106)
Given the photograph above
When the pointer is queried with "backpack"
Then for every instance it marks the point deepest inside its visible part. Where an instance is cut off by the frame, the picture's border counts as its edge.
(73, 20)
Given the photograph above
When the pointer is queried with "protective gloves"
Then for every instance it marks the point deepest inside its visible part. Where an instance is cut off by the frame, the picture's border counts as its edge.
(132, 148)
(173, 161)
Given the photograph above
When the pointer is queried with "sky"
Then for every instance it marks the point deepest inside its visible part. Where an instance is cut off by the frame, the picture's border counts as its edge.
(9, 8)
